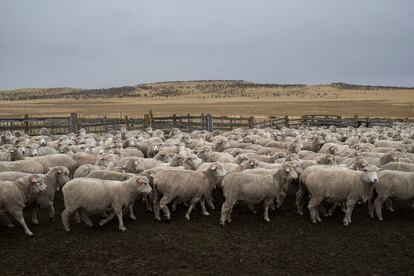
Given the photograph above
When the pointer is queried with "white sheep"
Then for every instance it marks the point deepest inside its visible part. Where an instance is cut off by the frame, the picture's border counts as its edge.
(15, 194)
(91, 195)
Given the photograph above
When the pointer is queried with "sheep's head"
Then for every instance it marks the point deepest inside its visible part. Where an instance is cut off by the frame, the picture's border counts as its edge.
(370, 174)
(192, 162)
(142, 184)
(217, 170)
(250, 164)
(288, 171)
(62, 175)
(36, 184)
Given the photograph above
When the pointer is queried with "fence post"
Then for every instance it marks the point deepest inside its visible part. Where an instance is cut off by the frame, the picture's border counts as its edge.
(73, 122)
(174, 120)
(356, 119)
(287, 121)
(251, 122)
(127, 121)
(26, 123)
(210, 126)
(146, 121)
(202, 121)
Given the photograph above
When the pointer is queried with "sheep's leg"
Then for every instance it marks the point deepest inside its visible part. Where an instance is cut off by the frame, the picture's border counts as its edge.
(34, 216)
(370, 208)
(299, 201)
(273, 207)
(174, 205)
(18, 215)
(118, 213)
(131, 211)
(51, 211)
(388, 205)
(225, 212)
(251, 208)
(193, 203)
(6, 220)
(85, 218)
(147, 200)
(209, 200)
(349, 208)
(65, 219)
(267, 203)
(378, 205)
(313, 207)
(203, 208)
(77, 217)
(332, 209)
(156, 206)
(322, 210)
(163, 205)
(280, 199)
(107, 219)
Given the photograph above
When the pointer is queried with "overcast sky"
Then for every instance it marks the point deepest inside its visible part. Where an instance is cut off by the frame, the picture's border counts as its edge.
(102, 43)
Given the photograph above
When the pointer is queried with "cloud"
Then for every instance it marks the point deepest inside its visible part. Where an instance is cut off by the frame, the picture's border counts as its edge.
(101, 43)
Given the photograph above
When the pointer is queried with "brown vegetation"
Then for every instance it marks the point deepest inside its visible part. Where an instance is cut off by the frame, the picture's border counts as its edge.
(216, 97)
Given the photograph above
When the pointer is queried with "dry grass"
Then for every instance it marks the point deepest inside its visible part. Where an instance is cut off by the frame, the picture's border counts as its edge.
(227, 98)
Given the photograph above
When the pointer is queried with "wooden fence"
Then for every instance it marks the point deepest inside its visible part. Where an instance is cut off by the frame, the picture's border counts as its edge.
(66, 123)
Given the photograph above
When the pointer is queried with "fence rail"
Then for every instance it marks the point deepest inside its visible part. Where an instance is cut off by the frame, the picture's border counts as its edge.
(61, 124)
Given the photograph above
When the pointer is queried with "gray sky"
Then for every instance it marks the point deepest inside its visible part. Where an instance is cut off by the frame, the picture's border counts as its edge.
(102, 43)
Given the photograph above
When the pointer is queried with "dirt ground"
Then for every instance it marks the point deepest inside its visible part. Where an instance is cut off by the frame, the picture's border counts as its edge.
(289, 244)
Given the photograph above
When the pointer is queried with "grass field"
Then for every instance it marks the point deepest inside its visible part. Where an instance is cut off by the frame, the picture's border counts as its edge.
(195, 98)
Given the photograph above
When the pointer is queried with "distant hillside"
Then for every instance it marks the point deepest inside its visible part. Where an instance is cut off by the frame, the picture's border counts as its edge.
(200, 88)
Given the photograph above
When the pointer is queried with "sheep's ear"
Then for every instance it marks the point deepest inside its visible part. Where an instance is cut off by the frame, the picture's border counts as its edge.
(59, 171)
(33, 179)
(213, 167)
(287, 169)
(140, 181)
(152, 174)
(135, 163)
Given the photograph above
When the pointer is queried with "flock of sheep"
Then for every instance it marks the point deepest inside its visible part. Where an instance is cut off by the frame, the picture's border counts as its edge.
(105, 174)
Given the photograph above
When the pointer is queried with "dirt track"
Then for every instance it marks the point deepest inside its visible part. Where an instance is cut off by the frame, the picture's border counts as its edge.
(289, 244)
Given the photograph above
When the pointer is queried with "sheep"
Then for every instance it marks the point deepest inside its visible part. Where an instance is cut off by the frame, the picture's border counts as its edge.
(131, 165)
(12, 154)
(11, 176)
(267, 159)
(108, 160)
(398, 166)
(210, 156)
(150, 163)
(89, 195)
(131, 152)
(55, 179)
(56, 160)
(26, 166)
(340, 184)
(314, 144)
(15, 194)
(86, 169)
(184, 185)
(42, 151)
(192, 162)
(110, 175)
(254, 188)
(177, 160)
(392, 184)
(163, 157)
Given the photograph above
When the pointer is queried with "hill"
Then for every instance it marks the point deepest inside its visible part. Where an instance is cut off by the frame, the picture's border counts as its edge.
(203, 88)
(220, 97)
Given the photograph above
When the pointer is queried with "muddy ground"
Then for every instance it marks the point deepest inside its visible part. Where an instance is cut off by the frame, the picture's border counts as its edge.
(289, 244)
